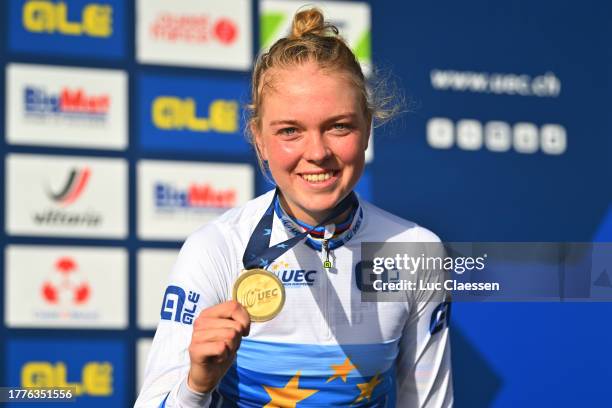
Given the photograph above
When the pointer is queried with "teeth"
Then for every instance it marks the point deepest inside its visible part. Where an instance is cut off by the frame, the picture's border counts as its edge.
(316, 178)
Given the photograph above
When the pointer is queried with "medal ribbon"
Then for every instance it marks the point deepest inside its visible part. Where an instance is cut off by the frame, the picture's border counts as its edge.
(259, 253)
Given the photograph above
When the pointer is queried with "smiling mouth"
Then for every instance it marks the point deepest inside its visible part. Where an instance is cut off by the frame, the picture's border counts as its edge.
(318, 177)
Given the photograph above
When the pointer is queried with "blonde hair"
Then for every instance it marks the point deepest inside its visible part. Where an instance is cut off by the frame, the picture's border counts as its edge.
(314, 39)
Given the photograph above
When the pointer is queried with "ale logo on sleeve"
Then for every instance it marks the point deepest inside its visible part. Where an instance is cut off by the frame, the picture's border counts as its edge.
(178, 306)
(196, 33)
(66, 196)
(66, 287)
(193, 114)
(75, 28)
(351, 18)
(69, 107)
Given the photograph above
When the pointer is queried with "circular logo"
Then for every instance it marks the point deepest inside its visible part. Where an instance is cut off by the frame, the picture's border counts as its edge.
(261, 293)
(225, 31)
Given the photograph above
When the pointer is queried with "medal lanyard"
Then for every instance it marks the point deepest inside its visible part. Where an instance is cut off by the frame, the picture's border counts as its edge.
(259, 253)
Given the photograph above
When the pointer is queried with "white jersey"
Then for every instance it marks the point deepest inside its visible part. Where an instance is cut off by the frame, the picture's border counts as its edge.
(326, 347)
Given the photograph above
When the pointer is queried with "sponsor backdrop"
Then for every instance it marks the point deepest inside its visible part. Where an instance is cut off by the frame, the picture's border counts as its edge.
(124, 131)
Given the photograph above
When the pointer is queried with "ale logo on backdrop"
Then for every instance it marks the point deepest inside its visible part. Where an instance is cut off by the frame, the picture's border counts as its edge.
(66, 287)
(176, 198)
(195, 33)
(95, 369)
(76, 28)
(351, 18)
(193, 114)
(66, 196)
(70, 107)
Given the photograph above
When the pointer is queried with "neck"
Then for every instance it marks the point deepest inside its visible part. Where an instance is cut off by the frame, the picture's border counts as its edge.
(313, 218)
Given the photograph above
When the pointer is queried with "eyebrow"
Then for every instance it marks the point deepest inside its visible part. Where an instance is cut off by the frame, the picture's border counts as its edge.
(348, 115)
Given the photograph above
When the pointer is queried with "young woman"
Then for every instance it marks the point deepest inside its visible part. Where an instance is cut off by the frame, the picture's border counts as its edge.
(322, 346)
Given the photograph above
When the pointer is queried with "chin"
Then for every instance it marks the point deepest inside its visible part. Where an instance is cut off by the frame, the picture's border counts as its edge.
(317, 205)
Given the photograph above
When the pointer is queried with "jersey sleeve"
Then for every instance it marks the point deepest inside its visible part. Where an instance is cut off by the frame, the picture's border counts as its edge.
(424, 376)
(198, 280)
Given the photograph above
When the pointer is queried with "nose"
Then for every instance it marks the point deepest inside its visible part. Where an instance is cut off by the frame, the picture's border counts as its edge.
(317, 148)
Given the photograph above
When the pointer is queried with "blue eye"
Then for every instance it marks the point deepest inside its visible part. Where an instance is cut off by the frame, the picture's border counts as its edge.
(341, 129)
(288, 131)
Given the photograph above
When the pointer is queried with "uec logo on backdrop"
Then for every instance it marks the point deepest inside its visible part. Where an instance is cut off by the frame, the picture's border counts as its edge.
(49, 17)
(96, 377)
(173, 113)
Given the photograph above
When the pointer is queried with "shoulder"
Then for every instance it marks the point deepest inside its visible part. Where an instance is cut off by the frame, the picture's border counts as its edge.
(388, 227)
(231, 227)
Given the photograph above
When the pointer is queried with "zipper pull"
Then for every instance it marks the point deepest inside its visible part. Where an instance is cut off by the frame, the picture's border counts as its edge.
(327, 263)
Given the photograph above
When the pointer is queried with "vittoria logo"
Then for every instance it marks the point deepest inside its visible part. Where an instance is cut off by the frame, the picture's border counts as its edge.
(71, 191)
(68, 103)
(67, 285)
(195, 196)
(193, 28)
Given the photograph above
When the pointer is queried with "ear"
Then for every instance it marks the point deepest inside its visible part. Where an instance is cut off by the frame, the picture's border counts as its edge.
(258, 140)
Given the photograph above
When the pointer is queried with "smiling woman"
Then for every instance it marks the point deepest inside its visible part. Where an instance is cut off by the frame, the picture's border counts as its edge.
(274, 283)
(313, 139)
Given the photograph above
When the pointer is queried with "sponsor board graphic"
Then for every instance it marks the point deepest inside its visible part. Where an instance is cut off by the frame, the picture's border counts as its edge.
(143, 346)
(85, 28)
(195, 33)
(351, 18)
(496, 136)
(193, 114)
(154, 267)
(176, 198)
(66, 196)
(95, 369)
(47, 286)
(69, 107)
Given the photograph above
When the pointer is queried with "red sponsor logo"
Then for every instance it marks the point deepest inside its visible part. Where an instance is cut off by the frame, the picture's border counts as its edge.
(73, 187)
(193, 28)
(66, 286)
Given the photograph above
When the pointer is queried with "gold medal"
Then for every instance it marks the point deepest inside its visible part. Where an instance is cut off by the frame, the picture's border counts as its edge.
(261, 293)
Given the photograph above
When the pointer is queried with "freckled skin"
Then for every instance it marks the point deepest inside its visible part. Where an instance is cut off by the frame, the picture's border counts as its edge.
(312, 122)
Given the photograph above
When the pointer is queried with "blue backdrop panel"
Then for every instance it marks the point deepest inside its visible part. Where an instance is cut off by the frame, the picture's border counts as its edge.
(73, 28)
(95, 369)
(200, 114)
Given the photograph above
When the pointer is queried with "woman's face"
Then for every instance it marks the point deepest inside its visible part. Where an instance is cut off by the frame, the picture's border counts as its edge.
(313, 134)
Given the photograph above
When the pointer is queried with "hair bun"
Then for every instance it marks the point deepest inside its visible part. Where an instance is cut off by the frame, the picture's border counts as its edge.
(311, 21)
